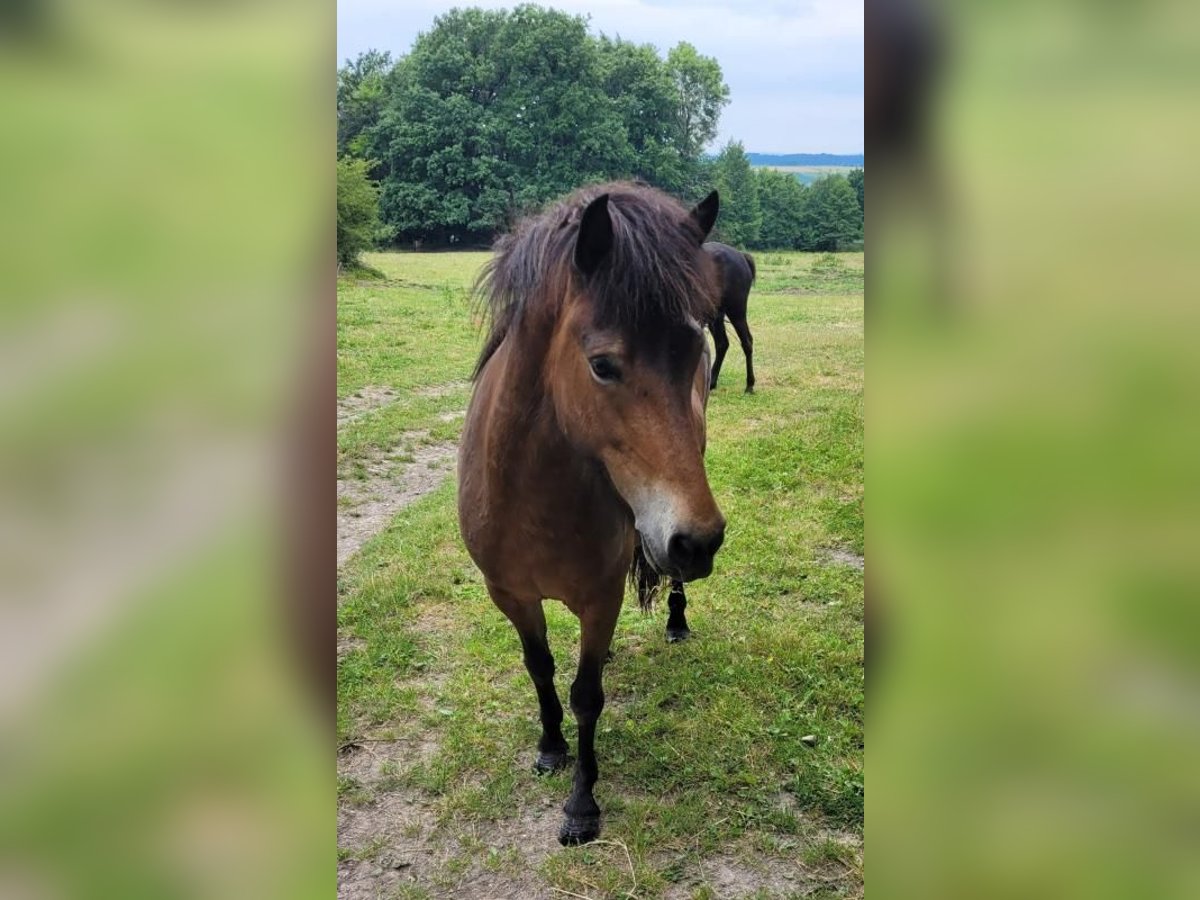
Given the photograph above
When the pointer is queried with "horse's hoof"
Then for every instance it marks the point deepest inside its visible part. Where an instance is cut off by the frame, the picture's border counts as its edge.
(675, 635)
(579, 830)
(749, 389)
(713, 386)
(548, 762)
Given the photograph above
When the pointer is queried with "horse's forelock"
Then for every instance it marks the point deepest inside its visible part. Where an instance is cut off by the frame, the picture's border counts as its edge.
(655, 270)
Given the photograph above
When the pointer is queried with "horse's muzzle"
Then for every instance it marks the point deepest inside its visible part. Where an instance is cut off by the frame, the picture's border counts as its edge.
(690, 554)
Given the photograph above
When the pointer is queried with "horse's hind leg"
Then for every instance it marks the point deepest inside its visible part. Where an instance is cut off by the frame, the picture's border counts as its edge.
(582, 821)
(742, 327)
(722, 341)
(530, 621)
(677, 626)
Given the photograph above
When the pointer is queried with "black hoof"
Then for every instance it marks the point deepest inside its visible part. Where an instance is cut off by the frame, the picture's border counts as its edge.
(579, 830)
(675, 635)
(749, 389)
(548, 762)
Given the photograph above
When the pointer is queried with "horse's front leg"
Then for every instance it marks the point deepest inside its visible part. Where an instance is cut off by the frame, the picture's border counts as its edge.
(530, 621)
(582, 821)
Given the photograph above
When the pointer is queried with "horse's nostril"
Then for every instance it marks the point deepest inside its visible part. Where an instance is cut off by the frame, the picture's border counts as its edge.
(677, 548)
(683, 550)
(691, 552)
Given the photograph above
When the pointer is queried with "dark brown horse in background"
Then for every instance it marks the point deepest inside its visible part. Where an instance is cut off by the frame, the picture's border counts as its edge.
(585, 434)
(735, 274)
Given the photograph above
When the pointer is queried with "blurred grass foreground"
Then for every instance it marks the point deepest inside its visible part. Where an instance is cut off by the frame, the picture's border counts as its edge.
(161, 239)
(1034, 693)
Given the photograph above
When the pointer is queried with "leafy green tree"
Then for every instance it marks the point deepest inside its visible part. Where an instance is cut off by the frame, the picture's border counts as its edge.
(357, 210)
(645, 98)
(360, 99)
(494, 112)
(781, 199)
(701, 95)
(831, 215)
(741, 214)
(855, 177)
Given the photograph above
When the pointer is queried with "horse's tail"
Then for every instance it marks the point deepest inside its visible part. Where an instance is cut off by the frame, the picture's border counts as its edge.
(643, 578)
(753, 269)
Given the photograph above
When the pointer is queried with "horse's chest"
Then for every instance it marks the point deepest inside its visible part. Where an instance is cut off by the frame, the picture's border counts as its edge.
(573, 529)
(556, 542)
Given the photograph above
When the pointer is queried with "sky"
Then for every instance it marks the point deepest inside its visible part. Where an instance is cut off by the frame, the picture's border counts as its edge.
(794, 70)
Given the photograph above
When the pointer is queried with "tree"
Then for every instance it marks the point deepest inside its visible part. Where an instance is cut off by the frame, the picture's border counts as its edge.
(855, 177)
(781, 199)
(357, 210)
(645, 98)
(701, 95)
(360, 98)
(831, 214)
(741, 215)
(492, 113)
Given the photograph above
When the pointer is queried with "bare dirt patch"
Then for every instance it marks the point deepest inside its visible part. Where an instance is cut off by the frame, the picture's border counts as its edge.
(846, 558)
(442, 390)
(742, 872)
(371, 761)
(397, 840)
(365, 506)
(434, 620)
(362, 402)
(386, 842)
(347, 644)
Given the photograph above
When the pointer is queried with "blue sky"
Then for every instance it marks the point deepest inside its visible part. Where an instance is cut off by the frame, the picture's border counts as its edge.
(794, 70)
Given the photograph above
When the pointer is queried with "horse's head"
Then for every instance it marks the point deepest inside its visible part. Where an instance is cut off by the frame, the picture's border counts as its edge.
(628, 370)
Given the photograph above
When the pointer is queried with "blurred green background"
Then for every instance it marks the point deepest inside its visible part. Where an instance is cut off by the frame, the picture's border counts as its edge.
(165, 196)
(1034, 699)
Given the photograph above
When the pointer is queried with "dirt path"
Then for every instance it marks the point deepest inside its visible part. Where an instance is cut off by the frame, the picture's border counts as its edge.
(366, 505)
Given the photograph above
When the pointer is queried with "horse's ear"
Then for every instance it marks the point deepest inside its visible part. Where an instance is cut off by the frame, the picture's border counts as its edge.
(705, 213)
(595, 236)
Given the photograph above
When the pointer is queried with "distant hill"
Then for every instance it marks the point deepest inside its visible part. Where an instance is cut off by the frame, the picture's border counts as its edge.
(805, 159)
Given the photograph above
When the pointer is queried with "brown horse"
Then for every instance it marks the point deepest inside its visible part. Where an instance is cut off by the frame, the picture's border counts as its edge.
(735, 274)
(585, 434)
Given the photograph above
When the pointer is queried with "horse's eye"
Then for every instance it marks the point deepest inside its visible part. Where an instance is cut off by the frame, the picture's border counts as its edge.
(604, 369)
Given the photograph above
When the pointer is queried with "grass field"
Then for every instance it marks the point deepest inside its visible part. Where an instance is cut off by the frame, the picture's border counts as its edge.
(731, 764)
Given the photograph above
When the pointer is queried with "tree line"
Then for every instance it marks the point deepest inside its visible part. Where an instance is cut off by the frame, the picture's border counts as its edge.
(771, 210)
(495, 112)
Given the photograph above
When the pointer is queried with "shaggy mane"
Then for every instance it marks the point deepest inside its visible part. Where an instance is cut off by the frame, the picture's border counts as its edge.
(655, 272)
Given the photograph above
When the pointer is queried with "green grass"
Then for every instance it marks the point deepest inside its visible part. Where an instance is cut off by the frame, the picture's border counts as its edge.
(700, 744)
